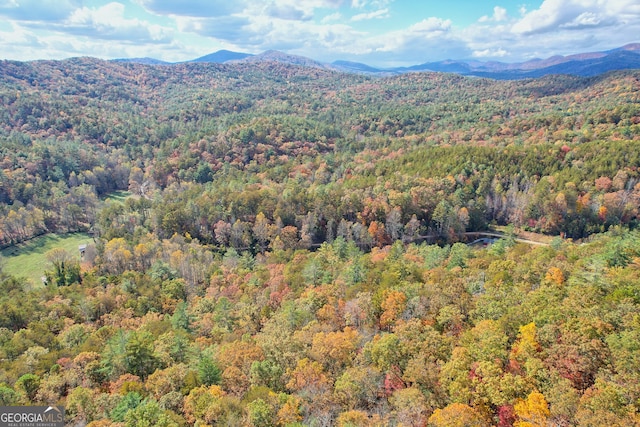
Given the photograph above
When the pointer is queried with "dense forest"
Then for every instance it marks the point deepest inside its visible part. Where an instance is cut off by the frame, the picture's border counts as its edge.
(209, 148)
(273, 263)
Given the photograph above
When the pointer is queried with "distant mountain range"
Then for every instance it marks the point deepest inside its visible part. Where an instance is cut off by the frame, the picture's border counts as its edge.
(584, 64)
(145, 61)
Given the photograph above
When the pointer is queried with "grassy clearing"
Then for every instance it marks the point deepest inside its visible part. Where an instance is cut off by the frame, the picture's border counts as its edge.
(28, 259)
(118, 196)
(527, 235)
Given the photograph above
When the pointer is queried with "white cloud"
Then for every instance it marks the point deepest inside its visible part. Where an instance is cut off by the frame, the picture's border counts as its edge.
(108, 22)
(38, 10)
(193, 8)
(23, 43)
(587, 19)
(332, 18)
(557, 14)
(286, 9)
(499, 15)
(490, 53)
(19, 38)
(318, 41)
(429, 37)
(83, 31)
(228, 28)
(361, 4)
(549, 15)
(319, 29)
(286, 25)
(290, 9)
(430, 25)
(378, 14)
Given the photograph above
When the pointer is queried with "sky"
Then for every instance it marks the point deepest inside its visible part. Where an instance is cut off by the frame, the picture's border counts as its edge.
(376, 32)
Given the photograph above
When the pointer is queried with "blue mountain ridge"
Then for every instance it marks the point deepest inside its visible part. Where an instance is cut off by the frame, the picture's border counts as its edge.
(584, 65)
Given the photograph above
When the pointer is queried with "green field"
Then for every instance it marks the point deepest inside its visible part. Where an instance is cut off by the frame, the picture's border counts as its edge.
(118, 196)
(28, 259)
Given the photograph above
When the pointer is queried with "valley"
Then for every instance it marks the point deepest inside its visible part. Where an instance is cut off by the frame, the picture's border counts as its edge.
(252, 245)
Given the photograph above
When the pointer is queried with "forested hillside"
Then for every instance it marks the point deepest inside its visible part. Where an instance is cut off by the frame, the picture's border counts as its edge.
(209, 147)
(270, 264)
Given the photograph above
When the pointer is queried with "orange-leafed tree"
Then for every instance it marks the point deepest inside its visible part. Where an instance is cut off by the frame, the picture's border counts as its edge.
(555, 275)
(335, 349)
(392, 305)
(378, 233)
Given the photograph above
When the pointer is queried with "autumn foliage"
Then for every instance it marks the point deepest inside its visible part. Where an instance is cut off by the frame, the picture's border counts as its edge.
(283, 246)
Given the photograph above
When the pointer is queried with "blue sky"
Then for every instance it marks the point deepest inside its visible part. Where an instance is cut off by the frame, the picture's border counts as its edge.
(377, 32)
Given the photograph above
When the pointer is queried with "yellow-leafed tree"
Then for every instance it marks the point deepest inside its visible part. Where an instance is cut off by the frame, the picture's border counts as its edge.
(533, 411)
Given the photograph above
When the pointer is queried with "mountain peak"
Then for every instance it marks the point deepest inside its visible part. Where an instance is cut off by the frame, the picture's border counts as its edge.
(222, 56)
(355, 67)
(633, 47)
(285, 58)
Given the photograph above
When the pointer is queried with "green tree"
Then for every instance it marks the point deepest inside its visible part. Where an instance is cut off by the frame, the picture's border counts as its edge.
(208, 371)
(149, 414)
(27, 385)
(267, 373)
(180, 318)
(65, 269)
(139, 354)
(261, 414)
(128, 402)
(204, 173)
(8, 396)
